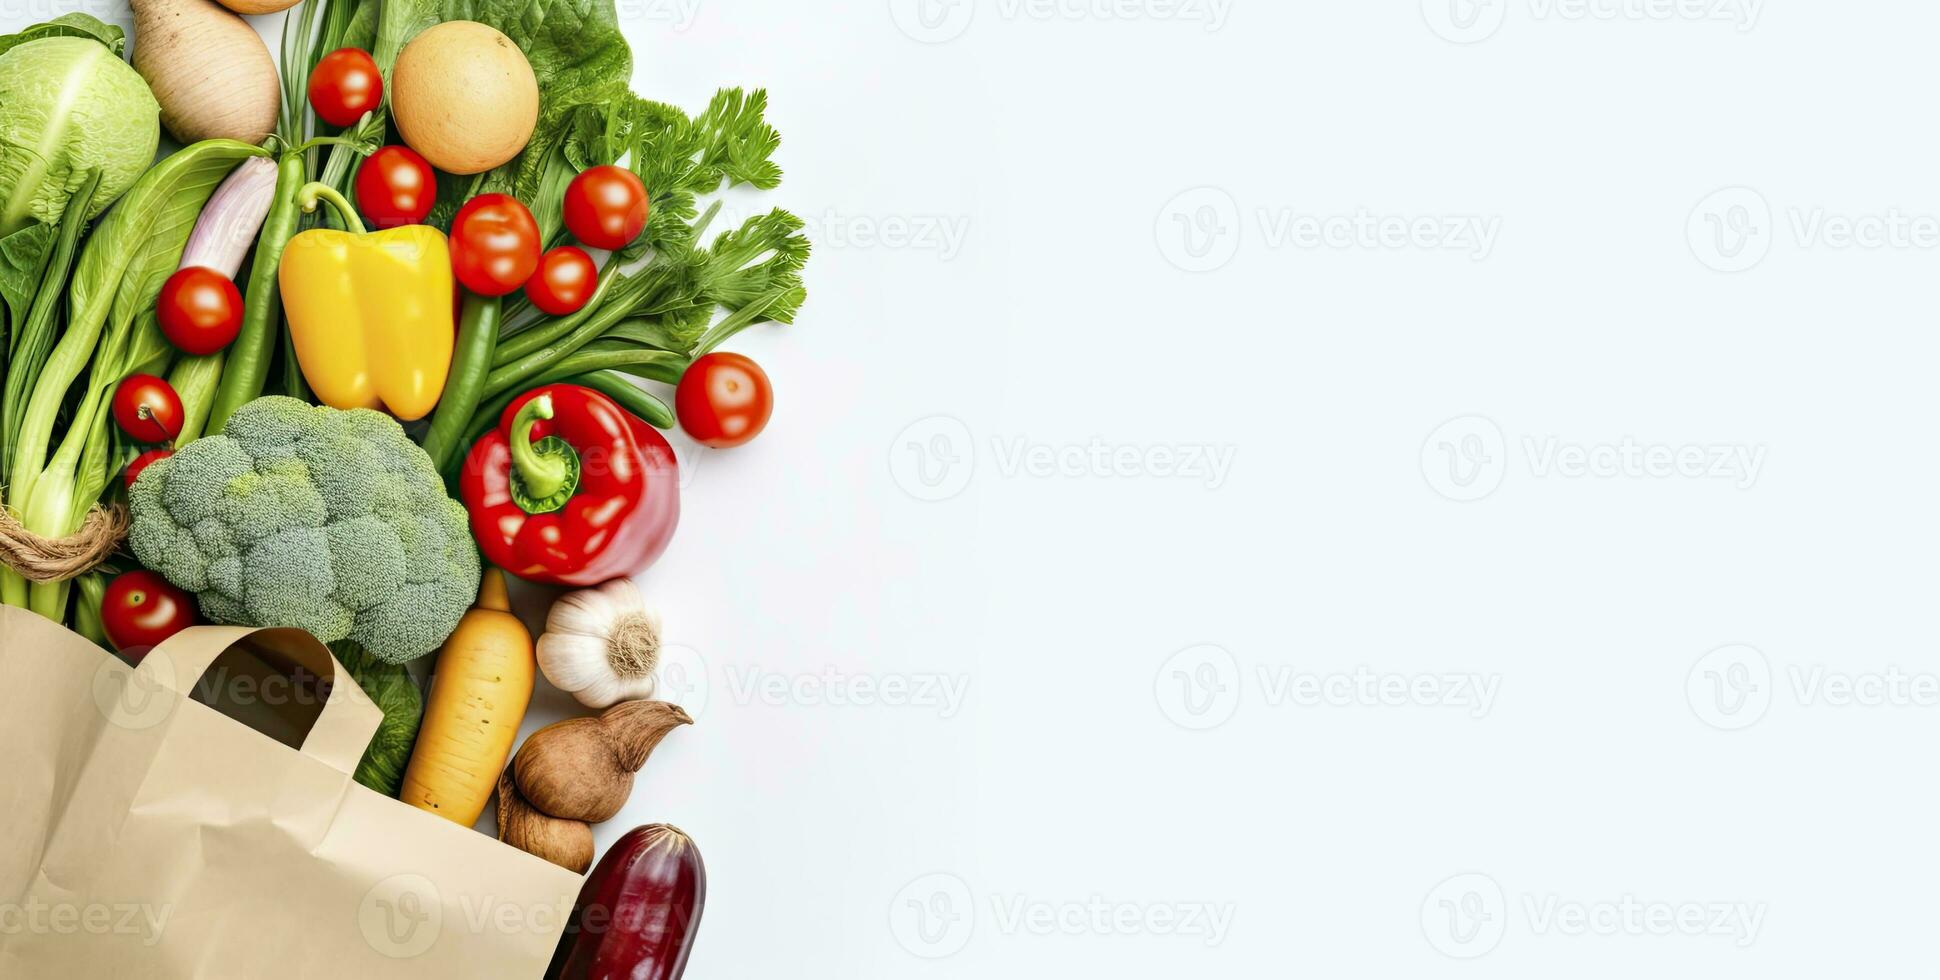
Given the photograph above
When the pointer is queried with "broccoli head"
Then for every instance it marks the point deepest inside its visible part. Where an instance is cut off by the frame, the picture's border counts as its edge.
(299, 515)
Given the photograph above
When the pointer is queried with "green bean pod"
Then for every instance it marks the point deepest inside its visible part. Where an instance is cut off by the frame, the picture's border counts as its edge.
(249, 356)
(615, 385)
(544, 334)
(194, 380)
(478, 325)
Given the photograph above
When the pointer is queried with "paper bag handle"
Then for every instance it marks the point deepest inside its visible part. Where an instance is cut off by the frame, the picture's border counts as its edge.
(343, 729)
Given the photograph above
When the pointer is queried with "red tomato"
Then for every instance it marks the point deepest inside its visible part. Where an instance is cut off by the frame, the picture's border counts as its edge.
(494, 244)
(145, 460)
(606, 207)
(345, 85)
(723, 400)
(396, 187)
(565, 281)
(147, 409)
(200, 310)
(141, 609)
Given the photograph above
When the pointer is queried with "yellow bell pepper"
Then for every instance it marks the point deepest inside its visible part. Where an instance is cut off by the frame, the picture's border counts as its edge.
(370, 313)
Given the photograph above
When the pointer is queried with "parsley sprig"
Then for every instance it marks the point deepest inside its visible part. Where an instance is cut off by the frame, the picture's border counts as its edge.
(674, 294)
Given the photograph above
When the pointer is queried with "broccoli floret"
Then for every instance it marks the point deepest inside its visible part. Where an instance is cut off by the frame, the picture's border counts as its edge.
(299, 515)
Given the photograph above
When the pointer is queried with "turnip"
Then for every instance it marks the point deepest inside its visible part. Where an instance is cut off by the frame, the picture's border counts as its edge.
(208, 68)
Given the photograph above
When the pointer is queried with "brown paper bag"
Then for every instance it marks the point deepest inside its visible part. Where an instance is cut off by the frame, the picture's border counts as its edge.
(146, 834)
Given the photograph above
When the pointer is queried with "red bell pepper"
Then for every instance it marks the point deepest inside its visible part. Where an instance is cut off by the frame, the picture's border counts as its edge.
(571, 489)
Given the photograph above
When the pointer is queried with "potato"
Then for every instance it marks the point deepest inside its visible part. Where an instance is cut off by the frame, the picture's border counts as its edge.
(464, 97)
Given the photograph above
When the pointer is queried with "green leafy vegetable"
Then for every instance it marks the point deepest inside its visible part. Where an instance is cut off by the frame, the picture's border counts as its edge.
(68, 105)
(51, 494)
(396, 693)
(71, 25)
(752, 272)
(69, 108)
(23, 256)
(34, 337)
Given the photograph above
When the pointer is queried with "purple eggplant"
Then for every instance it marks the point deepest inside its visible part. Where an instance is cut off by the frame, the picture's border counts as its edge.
(638, 911)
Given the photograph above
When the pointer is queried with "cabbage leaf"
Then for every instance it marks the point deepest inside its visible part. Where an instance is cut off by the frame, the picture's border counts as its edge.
(69, 104)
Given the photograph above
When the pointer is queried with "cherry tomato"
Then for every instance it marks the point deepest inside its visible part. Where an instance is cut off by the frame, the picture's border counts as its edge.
(396, 187)
(565, 281)
(140, 609)
(345, 85)
(200, 310)
(144, 461)
(606, 207)
(723, 400)
(494, 244)
(147, 409)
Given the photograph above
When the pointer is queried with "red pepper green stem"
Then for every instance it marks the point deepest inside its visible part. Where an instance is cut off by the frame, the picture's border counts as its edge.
(545, 473)
(316, 191)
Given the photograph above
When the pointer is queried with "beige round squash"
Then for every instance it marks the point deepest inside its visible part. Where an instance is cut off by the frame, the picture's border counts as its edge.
(258, 6)
(464, 96)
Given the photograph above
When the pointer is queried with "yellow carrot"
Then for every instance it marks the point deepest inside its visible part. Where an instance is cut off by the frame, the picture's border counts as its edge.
(480, 689)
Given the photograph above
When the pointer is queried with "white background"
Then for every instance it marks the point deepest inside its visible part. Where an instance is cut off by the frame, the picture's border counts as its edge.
(1128, 181)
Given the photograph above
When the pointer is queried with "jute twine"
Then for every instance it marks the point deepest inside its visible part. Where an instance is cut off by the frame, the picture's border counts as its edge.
(43, 559)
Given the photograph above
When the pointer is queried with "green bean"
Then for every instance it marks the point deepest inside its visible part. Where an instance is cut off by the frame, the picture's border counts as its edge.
(194, 380)
(615, 385)
(539, 337)
(249, 356)
(477, 334)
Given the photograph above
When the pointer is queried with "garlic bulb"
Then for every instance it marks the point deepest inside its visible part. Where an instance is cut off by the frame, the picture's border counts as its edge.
(602, 644)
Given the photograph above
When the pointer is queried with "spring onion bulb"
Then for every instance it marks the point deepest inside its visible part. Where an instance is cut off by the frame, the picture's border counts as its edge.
(230, 221)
